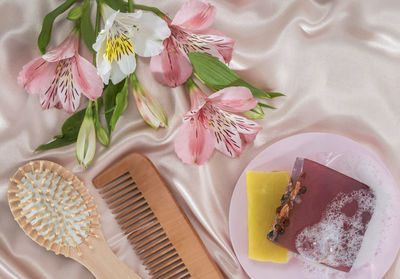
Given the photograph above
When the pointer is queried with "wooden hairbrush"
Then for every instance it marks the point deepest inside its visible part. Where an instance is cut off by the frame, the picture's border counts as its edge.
(55, 209)
(148, 214)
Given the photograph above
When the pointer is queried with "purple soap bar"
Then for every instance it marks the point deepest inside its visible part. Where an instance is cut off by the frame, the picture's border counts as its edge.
(324, 215)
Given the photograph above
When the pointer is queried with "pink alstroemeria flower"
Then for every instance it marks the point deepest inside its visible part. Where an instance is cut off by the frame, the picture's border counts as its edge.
(190, 32)
(60, 76)
(214, 122)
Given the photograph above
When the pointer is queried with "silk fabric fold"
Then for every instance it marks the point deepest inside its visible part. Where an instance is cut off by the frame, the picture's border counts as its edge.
(337, 62)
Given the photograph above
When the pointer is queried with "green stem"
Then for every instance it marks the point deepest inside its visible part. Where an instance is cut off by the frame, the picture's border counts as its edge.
(96, 31)
(190, 84)
(96, 110)
(134, 78)
(97, 26)
(130, 6)
(89, 110)
(151, 9)
(77, 26)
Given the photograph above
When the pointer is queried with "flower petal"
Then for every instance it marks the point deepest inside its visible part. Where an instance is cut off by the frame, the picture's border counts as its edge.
(227, 137)
(104, 70)
(147, 32)
(194, 143)
(218, 44)
(68, 93)
(233, 99)
(100, 40)
(103, 65)
(197, 99)
(86, 79)
(247, 138)
(223, 44)
(232, 131)
(116, 74)
(69, 98)
(195, 15)
(109, 16)
(49, 98)
(243, 125)
(228, 141)
(37, 75)
(65, 50)
(127, 63)
(170, 67)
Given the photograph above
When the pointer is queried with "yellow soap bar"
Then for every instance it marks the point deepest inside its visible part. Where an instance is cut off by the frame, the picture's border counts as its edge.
(264, 192)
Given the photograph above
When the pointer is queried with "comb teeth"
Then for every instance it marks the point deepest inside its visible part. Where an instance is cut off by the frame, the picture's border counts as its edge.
(143, 229)
(152, 220)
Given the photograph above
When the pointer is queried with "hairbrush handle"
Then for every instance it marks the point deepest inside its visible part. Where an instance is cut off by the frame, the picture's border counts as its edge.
(56, 210)
(103, 263)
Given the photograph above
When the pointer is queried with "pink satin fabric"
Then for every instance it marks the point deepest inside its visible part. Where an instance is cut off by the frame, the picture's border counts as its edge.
(336, 61)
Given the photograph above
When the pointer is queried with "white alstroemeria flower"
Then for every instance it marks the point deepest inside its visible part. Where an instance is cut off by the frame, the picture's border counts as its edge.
(124, 35)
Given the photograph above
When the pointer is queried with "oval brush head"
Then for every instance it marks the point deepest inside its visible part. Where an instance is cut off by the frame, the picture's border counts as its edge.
(53, 207)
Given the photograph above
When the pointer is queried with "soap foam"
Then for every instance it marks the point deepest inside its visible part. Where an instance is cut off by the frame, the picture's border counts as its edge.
(312, 270)
(381, 225)
(337, 238)
(364, 169)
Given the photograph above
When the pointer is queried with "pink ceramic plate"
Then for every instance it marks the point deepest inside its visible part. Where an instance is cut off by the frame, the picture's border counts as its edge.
(380, 244)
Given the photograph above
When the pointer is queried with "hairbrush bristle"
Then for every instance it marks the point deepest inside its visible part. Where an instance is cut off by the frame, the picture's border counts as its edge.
(53, 207)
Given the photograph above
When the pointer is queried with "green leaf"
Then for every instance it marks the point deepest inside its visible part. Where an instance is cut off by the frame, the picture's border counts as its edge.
(75, 13)
(255, 113)
(71, 126)
(120, 5)
(45, 33)
(276, 94)
(57, 143)
(110, 94)
(121, 103)
(88, 34)
(216, 75)
(69, 130)
(266, 106)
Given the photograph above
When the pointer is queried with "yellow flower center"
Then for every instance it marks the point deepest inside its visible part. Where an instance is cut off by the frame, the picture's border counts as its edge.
(117, 46)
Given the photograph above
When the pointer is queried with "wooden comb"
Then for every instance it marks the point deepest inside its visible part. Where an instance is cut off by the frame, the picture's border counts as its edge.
(148, 214)
(55, 209)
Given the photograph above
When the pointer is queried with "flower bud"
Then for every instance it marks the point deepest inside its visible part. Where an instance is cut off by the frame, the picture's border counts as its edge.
(148, 106)
(75, 13)
(86, 142)
(102, 134)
